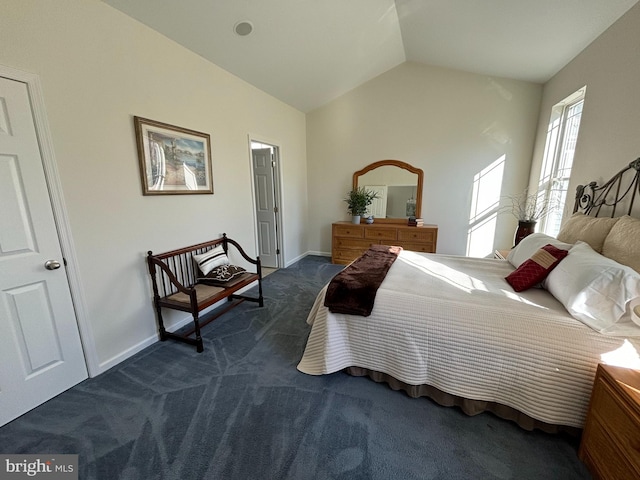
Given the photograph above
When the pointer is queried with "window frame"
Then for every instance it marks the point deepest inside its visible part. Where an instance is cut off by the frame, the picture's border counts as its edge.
(554, 177)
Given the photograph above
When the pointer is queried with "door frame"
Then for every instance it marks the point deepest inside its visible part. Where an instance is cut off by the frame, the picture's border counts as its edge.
(277, 182)
(63, 227)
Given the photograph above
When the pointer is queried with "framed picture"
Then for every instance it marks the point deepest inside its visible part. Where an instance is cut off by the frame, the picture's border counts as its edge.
(173, 160)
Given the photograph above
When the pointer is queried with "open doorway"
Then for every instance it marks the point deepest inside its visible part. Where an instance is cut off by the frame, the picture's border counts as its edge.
(265, 163)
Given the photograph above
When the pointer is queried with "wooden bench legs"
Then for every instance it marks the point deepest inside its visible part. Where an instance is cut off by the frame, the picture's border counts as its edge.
(259, 300)
(186, 336)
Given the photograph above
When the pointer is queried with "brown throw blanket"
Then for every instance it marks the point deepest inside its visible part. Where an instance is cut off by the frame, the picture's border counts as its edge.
(353, 290)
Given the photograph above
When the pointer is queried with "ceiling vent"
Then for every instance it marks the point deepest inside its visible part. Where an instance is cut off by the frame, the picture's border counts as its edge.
(243, 28)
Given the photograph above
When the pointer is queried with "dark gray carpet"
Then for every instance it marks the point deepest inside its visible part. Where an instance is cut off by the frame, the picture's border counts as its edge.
(241, 410)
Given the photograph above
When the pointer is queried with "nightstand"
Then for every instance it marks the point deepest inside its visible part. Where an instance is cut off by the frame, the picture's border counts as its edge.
(501, 254)
(610, 444)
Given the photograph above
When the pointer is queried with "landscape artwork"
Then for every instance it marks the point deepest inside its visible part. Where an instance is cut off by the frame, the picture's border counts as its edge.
(173, 160)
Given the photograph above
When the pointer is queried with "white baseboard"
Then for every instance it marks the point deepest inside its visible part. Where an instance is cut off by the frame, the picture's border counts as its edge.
(320, 254)
(300, 257)
(122, 356)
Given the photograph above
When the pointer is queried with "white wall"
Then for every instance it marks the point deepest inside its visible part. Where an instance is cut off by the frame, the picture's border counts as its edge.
(609, 135)
(98, 69)
(449, 123)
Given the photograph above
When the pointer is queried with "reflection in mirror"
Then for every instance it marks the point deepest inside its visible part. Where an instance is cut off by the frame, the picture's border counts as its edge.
(398, 185)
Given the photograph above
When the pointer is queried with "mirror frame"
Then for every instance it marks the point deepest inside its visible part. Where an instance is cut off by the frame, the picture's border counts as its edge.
(400, 164)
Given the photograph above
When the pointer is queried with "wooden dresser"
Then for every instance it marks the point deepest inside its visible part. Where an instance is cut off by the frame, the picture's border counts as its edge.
(610, 444)
(349, 241)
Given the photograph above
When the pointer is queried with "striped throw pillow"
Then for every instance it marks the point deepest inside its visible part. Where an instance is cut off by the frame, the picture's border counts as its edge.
(536, 268)
(211, 259)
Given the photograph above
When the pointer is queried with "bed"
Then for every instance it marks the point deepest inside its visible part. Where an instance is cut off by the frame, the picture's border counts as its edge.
(453, 329)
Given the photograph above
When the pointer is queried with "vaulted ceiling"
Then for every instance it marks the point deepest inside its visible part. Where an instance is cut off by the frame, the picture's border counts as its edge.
(308, 52)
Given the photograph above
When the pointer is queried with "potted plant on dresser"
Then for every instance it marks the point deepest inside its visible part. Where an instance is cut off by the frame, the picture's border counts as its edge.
(358, 200)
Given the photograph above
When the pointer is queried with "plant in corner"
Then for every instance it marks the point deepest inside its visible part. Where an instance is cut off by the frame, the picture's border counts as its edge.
(358, 200)
(528, 208)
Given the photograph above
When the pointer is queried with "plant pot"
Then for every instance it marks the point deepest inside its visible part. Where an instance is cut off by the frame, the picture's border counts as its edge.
(524, 229)
(355, 219)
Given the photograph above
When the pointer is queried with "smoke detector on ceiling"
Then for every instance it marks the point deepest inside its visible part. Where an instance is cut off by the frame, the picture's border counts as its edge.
(243, 28)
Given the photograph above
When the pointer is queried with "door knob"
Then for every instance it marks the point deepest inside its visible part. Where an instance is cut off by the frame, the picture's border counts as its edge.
(52, 265)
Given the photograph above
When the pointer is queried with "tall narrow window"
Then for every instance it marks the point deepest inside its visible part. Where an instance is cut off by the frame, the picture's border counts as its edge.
(559, 149)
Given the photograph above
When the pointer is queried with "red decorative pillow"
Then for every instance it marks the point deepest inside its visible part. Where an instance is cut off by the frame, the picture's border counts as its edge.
(536, 268)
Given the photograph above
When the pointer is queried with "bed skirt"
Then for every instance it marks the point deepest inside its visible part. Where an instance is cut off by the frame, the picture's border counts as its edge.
(469, 407)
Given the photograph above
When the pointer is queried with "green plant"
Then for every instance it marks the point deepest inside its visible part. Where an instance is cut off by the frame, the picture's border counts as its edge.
(359, 199)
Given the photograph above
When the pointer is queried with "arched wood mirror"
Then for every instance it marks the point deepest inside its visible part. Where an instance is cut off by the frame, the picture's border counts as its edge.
(399, 188)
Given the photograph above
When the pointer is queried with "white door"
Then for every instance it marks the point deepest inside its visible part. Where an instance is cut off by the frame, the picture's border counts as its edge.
(265, 206)
(378, 207)
(40, 350)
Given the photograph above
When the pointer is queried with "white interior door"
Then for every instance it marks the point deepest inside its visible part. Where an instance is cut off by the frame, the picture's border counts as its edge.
(40, 350)
(378, 207)
(265, 206)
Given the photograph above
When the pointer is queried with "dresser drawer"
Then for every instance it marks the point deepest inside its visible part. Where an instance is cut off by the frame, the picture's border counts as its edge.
(620, 424)
(419, 247)
(353, 243)
(381, 233)
(355, 231)
(417, 234)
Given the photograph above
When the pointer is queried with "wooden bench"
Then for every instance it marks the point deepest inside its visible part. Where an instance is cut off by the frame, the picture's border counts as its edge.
(177, 284)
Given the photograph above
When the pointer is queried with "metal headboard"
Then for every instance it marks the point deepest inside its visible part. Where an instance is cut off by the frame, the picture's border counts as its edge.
(591, 198)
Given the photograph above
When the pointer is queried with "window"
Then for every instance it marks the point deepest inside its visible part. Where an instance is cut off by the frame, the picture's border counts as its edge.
(559, 149)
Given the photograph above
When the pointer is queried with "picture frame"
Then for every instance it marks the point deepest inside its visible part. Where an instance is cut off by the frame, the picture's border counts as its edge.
(173, 160)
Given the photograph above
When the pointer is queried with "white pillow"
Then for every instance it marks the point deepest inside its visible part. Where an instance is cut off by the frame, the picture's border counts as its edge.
(211, 259)
(530, 245)
(634, 306)
(594, 289)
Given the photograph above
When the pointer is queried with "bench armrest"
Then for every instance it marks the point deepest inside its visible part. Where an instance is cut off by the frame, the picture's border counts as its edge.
(255, 261)
(154, 262)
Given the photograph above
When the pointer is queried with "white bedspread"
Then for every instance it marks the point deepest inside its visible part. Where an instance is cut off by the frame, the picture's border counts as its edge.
(454, 323)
